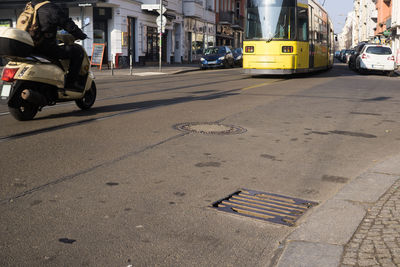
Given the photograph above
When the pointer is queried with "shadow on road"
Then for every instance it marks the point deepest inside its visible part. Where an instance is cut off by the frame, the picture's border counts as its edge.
(125, 108)
(338, 70)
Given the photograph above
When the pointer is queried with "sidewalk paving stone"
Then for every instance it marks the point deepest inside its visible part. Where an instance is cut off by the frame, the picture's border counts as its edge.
(377, 240)
(359, 226)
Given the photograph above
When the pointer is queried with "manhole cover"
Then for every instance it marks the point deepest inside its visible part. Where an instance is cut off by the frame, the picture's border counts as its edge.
(209, 128)
(265, 206)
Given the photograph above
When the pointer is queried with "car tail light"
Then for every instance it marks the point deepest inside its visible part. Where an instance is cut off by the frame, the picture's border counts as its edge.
(364, 56)
(287, 49)
(8, 74)
(391, 58)
(249, 49)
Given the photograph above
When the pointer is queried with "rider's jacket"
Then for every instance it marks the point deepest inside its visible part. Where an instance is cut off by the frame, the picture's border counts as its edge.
(51, 17)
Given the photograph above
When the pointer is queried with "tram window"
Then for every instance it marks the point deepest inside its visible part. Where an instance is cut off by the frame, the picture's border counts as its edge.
(271, 19)
(302, 24)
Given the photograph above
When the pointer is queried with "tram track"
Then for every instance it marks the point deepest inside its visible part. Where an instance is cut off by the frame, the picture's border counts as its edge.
(135, 94)
(137, 107)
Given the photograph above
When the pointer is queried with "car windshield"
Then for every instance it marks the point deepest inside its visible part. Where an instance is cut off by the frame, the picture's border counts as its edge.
(379, 50)
(270, 19)
(214, 50)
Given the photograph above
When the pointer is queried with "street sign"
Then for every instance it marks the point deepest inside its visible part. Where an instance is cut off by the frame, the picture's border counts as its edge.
(150, 7)
(163, 20)
(155, 7)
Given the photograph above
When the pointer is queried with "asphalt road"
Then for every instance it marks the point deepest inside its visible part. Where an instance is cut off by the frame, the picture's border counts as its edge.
(118, 185)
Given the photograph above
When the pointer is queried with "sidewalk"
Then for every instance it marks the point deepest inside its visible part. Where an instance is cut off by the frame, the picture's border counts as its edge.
(359, 226)
(147, 70)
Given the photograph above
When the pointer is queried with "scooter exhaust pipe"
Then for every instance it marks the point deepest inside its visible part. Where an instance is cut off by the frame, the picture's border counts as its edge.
(34, 97)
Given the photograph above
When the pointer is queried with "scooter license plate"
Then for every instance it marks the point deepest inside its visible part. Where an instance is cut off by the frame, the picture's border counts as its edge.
(5, 91)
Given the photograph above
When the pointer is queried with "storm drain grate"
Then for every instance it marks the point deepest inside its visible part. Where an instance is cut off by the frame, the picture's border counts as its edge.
(209, 128)
(265, 206)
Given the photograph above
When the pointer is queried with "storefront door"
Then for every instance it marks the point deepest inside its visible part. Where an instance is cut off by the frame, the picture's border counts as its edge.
(101, 15)
(152, 44)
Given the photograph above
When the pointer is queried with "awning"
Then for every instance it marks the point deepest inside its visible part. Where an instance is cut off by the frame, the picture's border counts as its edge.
(15, 4)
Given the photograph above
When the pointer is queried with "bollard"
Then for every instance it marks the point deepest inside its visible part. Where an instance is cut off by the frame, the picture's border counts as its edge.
(112, 65)
(130, 64)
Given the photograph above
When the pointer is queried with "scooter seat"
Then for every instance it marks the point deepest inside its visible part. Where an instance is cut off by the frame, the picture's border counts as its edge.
(46, 59)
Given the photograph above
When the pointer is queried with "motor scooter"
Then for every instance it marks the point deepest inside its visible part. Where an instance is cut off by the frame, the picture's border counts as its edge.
(31, 82)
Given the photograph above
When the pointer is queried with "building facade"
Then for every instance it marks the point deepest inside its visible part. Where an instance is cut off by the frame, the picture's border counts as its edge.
(130, 32)
(384, 20)
(395, 28)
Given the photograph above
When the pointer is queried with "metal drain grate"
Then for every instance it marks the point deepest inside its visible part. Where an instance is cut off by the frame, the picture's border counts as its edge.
(265, 206)
(209, 128)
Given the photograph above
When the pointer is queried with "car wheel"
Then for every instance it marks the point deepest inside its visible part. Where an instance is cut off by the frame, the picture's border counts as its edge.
(226, 64)
(390, 73)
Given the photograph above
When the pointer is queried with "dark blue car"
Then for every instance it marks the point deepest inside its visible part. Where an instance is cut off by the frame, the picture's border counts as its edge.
(218, 56)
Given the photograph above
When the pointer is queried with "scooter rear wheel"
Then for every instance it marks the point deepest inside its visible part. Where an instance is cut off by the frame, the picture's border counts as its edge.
(88, 99)
(25, 112)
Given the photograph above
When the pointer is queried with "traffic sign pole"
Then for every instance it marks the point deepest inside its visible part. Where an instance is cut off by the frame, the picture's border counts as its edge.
(161, 21)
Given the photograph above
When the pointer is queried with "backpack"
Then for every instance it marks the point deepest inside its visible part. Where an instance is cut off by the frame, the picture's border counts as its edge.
(28, 21)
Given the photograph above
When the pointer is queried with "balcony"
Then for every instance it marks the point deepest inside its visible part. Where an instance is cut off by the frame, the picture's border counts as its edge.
(374, 14)
(226, 18)
(193, 8)
(238, 23)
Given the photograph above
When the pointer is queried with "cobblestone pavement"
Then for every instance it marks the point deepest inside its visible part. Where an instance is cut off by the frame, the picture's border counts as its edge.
(377, 240)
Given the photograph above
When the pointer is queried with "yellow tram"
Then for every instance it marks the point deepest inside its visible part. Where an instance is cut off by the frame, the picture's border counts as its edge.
(286, 37)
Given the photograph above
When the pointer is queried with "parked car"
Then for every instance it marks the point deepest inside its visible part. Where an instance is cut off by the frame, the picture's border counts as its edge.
(354, 55)
(341, 54)
(337, 53)
(376, 58)
(344, 55)
(348, 55)
(238, 56)
(218, 56)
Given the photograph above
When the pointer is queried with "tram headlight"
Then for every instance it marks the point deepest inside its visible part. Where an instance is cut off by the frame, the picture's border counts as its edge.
(287, 49)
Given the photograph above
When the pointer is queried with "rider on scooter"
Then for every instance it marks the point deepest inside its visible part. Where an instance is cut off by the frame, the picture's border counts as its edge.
(50, 18)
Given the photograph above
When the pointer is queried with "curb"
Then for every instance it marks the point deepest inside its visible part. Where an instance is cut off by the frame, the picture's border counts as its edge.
(125, 72)
(320, 240)
(184, 71)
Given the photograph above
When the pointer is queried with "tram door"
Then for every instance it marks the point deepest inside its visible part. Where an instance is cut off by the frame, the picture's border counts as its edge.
(312, 37)
(303, 38)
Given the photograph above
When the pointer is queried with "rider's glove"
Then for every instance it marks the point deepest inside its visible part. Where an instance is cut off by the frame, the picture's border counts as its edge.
(82, 36)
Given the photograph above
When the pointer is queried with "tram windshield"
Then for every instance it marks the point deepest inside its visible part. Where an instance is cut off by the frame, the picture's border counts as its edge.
(271, 19)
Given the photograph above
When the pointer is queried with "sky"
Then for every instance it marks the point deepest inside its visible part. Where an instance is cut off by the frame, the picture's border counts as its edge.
(337, 10)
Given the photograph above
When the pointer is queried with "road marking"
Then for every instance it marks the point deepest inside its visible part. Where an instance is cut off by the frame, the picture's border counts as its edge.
(149, 73)
(260, 85)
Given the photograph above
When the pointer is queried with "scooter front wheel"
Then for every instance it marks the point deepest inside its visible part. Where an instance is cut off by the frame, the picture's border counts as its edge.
(88, 99)
(25, 112)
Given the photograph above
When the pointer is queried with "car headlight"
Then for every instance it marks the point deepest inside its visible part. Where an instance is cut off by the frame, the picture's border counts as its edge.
(221, 58)
(239, 57)
(202, 59)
